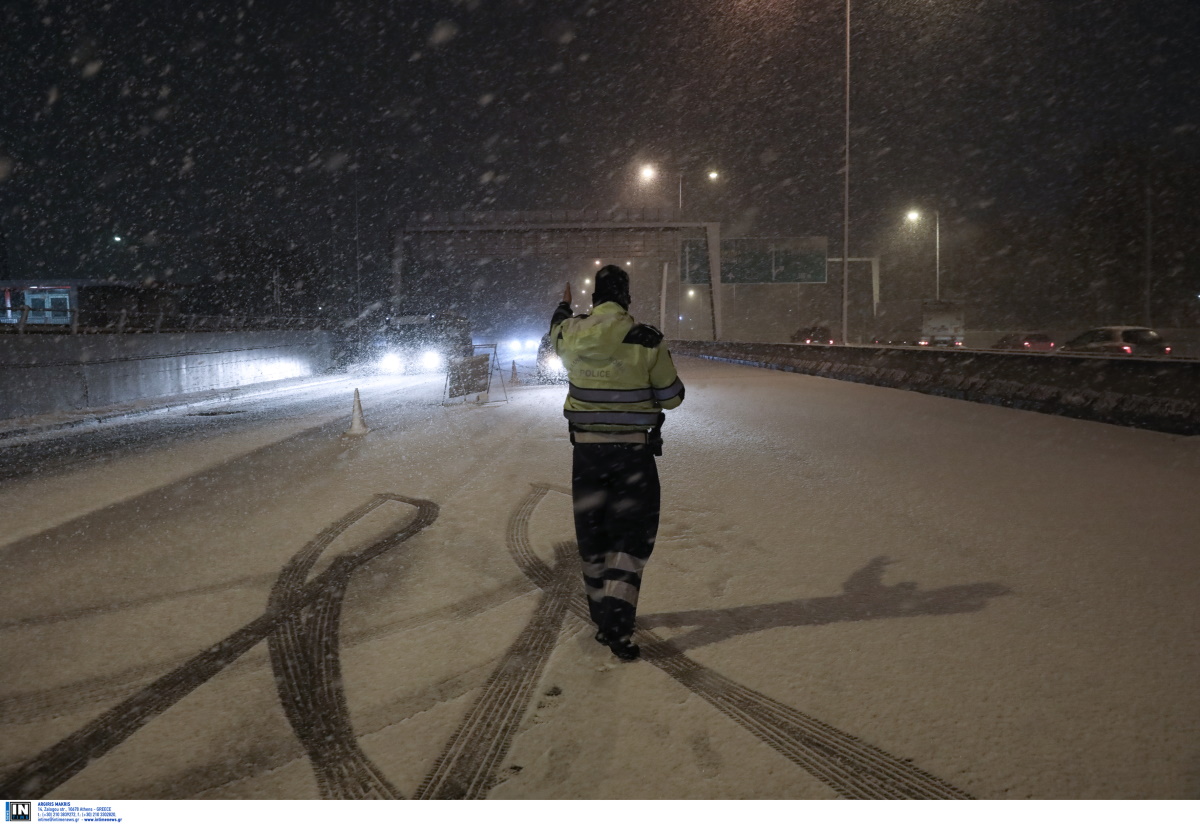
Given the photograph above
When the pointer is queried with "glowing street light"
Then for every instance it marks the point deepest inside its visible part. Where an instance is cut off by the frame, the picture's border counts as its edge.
(649, 172)
(913, 217)
(711, 174)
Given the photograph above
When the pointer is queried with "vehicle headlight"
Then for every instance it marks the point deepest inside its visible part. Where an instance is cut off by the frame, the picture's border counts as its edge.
(555, 363)
(392, 363)
(431, 359)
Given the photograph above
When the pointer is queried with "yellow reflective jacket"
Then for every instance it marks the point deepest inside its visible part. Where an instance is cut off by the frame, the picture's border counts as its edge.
(621, 376)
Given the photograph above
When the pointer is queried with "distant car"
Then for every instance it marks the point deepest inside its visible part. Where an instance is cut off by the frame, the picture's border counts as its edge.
(1119, 340)
(1025, 343)
(414, 344)
(813, 334)
(549, 367)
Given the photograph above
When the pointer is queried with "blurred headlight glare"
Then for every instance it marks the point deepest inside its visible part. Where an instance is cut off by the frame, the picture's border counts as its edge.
(391, 363)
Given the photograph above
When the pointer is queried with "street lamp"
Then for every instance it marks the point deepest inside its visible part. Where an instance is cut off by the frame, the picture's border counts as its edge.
(712, 175)
(648, 173)
(913, 217)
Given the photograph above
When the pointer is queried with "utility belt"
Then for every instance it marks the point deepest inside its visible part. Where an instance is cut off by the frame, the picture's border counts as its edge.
(653, 438)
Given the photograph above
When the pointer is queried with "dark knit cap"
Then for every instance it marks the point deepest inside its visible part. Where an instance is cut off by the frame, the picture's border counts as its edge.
(612, 284)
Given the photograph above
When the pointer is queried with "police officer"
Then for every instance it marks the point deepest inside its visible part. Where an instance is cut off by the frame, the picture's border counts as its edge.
(621, 378)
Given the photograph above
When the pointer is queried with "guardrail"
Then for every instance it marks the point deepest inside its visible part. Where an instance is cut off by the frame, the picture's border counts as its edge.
(91, 322)
(1162, 394)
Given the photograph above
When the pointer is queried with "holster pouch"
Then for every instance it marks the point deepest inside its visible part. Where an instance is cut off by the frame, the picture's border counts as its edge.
(655, 441)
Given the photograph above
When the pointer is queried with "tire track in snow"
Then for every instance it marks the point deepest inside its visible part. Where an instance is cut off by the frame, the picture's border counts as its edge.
(306, 661)
(30, 707)
(467, 767)
(301, 625)
(344, 772)
(851, 767)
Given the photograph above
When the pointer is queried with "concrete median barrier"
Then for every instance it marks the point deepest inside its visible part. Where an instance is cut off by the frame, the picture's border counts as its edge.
(47, 374)
(1158, 394)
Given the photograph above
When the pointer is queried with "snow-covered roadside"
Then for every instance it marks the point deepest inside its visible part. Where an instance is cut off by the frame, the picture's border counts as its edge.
(959, 585)
(54, 425)
(49, 499)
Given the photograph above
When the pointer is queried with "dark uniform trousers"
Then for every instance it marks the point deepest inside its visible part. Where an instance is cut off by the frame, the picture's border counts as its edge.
(616, 495)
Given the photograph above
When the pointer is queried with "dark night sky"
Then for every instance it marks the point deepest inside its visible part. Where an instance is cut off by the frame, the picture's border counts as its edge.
(215, 118)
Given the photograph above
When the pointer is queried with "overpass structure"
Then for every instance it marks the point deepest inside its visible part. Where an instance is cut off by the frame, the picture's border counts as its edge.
(432, 238)
(700, 284)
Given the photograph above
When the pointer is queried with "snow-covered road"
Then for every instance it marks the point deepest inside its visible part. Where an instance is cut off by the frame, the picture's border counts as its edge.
(857, 592)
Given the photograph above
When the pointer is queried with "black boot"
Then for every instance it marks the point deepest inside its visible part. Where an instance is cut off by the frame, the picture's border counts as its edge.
(625, 649)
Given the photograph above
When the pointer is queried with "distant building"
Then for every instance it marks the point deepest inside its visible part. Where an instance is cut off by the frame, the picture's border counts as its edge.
(45, 301)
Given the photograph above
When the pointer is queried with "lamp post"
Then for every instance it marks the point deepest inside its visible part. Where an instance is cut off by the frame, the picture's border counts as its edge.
(712, 174)
(648, 173)
(846, 196)
(913, 217)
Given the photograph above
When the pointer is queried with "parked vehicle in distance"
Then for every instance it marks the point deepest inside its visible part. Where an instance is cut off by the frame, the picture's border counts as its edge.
(1035, 342)
(1119, 340)
(941, 324)
(813, 334)
(420, 343)
(549, 366)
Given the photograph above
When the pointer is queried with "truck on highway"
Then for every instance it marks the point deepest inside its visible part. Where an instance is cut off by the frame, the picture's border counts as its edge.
(941, 324)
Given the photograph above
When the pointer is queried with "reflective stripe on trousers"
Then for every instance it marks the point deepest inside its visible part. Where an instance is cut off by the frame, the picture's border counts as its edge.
(616, 493)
